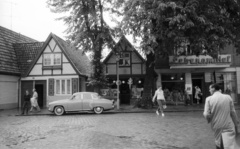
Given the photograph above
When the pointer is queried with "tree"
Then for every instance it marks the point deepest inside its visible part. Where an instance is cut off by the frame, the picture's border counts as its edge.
(87, 30)
(163, 25)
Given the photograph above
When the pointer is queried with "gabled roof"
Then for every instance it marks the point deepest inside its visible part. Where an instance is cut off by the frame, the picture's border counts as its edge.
(26, 53)
(8, 59)
(127, 45)
(77, 58)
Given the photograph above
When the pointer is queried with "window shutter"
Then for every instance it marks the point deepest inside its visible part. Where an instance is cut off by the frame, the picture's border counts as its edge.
(51, 87)
(74, 85)
(80, 84)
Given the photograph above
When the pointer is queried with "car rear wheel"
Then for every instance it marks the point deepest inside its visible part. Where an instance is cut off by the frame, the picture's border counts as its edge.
(98, 110)
(59, 110)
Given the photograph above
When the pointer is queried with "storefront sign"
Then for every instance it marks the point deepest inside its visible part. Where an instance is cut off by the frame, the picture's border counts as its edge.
(201, 60)
(188, 88)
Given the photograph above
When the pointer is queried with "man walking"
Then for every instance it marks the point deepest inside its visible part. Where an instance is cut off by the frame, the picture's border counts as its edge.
(220, 112)
(26, 103)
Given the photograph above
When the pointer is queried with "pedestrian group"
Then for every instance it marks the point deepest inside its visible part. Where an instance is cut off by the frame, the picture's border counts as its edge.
(30, 102)
(219, 111)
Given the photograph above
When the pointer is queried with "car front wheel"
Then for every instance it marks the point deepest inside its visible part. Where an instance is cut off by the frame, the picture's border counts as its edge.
(98, 110)
(59, 110)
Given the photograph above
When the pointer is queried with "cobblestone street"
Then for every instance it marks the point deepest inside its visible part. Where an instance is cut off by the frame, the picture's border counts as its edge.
(182, 130)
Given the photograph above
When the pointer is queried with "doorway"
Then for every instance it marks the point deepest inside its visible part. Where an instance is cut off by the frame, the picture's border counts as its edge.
(40, 86)
(197, 80)
(124, 93)
(39, 89)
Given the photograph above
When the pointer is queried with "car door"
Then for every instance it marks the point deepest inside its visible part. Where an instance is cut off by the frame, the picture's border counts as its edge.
(75, 104)
(86, 101)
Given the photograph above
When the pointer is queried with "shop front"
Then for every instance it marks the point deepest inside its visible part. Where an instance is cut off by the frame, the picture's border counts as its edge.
(130, 89)
(193, 76)
(124, 67)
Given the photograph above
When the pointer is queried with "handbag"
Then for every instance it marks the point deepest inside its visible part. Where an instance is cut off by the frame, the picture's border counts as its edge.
(164, 104)
(230, 142)
(237, 138)
(209, 116)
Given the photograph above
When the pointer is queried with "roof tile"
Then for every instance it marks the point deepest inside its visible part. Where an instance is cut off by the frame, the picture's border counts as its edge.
(8, 59)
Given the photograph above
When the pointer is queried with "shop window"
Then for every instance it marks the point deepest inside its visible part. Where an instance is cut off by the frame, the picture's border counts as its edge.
(124, 59)
(173, 77)
(173, 86)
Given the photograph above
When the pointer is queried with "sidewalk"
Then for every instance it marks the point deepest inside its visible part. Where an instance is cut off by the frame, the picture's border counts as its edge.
(123, 109)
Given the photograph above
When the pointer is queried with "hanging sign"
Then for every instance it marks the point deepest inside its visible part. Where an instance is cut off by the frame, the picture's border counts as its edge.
(118, 82)
(130, 81)
(188, 88)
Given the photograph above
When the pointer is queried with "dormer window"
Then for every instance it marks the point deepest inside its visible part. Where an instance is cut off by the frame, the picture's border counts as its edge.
(52, 59)
(183, 48)
(124, 59)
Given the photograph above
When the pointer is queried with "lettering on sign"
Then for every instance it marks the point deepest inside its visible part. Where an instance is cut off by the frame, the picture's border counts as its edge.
(201, 59)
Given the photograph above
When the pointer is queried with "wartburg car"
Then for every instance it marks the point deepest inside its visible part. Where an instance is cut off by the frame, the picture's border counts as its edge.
(81, 101)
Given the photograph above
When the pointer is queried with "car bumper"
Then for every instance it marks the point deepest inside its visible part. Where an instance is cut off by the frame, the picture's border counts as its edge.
(50, 108)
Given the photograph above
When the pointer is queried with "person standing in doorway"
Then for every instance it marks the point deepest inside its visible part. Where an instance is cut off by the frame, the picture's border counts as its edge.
(34, 101)
(160, 100)
(26, 103)
(220, 112)
(198, 93)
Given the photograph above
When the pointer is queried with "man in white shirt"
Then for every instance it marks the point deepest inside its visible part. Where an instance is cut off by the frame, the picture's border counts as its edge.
(160, 100)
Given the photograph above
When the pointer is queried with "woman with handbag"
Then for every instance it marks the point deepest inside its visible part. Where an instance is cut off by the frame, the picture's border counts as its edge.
(160, 100)
(34, 101)
(198, 93)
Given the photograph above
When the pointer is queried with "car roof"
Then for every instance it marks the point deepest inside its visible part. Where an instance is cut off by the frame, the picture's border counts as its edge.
(85, 92)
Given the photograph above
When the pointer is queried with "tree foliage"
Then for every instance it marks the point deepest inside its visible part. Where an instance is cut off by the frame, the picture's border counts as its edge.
(206, 24)
(87, 29)
(165, 24)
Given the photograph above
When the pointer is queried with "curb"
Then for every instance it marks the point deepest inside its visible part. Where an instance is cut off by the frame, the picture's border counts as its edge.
(133, 110)
(116, 111)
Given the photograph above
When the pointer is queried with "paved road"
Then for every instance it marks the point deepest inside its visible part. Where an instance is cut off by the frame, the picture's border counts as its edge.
(182, 130)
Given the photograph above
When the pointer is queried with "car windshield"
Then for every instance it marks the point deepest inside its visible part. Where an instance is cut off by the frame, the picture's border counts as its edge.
(95, 96)
(72, 97)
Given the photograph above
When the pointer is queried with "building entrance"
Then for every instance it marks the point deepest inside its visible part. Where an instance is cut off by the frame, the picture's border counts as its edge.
(197, 81)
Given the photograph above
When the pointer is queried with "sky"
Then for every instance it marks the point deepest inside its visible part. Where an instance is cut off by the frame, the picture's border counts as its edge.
(31, 18)
(34, 19)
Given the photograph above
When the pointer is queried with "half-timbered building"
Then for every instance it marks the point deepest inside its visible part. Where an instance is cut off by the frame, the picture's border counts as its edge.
(131, 72)
(55, 68)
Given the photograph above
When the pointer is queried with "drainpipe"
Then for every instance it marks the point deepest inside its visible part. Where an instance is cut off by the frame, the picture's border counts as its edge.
(214, 76)
(19, 92)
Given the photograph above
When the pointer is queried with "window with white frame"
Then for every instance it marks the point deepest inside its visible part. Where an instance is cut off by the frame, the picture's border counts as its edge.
(124, 59)
(52, 59)
(63, 87)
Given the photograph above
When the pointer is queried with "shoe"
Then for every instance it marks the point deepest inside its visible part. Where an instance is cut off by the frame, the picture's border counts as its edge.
(163, 115)
(157, 112)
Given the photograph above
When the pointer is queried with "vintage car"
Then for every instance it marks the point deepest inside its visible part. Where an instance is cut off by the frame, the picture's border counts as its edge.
(81, 101)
